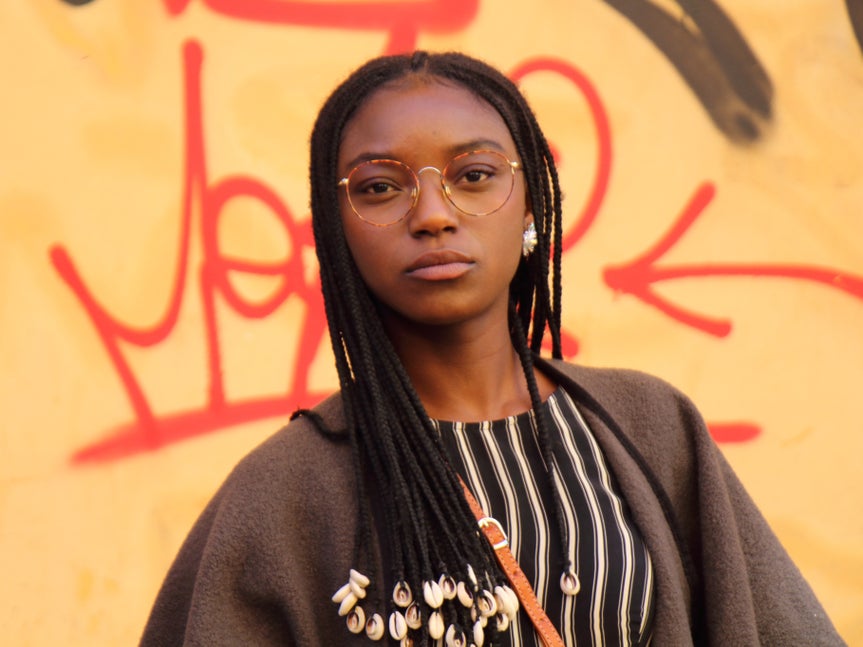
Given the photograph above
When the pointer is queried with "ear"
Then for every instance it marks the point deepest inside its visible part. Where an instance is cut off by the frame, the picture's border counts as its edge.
(528, 218)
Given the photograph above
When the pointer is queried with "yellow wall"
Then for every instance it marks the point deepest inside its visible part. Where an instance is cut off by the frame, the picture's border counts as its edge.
(147, 146)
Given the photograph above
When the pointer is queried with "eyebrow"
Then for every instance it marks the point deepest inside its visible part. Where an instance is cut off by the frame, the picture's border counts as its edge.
(452, 151)
(476, 144)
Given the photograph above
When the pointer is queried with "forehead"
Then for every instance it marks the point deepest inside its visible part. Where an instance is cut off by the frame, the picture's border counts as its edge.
(422, 122)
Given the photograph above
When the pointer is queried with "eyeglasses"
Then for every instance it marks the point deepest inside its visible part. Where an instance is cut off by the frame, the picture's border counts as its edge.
(382, 192)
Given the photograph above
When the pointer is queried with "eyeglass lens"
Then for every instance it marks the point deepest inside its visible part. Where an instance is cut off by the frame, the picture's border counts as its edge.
(385, 191)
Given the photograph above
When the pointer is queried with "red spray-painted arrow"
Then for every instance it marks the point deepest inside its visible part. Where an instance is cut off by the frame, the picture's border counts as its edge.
(638, 276)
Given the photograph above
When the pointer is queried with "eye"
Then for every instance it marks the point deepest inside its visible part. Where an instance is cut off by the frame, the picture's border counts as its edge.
(476, 175)
(380, 181)
(476, 171)
(473, 176)
(377, 187)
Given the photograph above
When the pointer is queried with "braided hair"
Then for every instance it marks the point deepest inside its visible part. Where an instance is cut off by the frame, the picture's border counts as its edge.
(427, 526)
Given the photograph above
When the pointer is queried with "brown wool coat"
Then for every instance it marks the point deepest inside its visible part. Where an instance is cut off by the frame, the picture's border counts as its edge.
(276, 541)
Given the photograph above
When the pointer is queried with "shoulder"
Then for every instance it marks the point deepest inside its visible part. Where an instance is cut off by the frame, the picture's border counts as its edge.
(285, 496)
(282, 521)
(310, 436)
(293, 472)
(624, 392)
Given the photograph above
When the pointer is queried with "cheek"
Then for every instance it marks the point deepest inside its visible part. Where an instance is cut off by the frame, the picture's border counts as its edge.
(510, 236)
(367, 246)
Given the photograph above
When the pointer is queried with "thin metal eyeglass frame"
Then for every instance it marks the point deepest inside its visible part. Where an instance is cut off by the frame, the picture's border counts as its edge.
(415, 194)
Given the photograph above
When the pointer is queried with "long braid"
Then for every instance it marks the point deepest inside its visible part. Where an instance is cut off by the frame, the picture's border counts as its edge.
(545, 442)
(427, 523)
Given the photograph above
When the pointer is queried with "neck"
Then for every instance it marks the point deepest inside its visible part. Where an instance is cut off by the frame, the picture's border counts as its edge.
(464, 372)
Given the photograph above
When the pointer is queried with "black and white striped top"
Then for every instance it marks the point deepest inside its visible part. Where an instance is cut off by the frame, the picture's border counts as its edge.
(502, 464)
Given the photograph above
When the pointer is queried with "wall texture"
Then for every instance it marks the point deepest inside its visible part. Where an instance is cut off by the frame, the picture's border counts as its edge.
(160, 313)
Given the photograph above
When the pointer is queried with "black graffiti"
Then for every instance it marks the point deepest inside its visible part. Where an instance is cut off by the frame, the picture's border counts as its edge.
(713, 57)
(855, 14)
(77, 3)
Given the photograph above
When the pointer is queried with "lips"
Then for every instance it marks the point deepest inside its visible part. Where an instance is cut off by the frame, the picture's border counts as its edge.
(440, 265)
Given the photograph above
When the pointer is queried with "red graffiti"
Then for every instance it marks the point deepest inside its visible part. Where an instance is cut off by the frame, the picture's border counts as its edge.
(599, 186)
(637, 277)
(401, 20)
(733, 432)
(149, 431)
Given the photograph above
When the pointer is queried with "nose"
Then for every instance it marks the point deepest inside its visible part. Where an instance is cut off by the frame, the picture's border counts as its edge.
(433, 213)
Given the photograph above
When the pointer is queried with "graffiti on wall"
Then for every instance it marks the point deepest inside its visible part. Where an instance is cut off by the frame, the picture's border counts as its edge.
(713, 59)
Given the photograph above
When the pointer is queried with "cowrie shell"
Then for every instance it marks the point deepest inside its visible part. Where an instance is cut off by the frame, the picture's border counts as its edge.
(375, 627)
(505, 602)
(471, 575)
(357, 590)
(569, 583)
(359, 578)
(432, 594)
(502, 622)
(448, 586)
(478, 634)
(436, 625)
(514, 601)
(502, 599)
(465, 595)
(356, 620)
(486, 604)
(413, 616)
(347, 604)
(402, 594)
(455, 637)
(342, 593)
(398, 625)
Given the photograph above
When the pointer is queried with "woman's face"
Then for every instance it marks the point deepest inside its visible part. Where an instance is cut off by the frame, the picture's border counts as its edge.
(437, 266)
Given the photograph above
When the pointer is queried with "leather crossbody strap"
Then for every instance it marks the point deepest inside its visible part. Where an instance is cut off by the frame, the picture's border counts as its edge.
(493, 531)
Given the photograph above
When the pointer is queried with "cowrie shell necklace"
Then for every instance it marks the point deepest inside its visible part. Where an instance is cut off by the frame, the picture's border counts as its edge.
(429, 612)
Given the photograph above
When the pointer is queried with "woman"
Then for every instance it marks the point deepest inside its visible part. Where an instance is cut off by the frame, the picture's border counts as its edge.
(437, 219)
